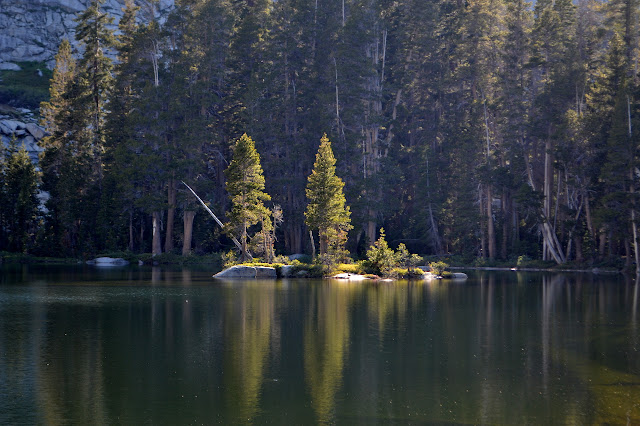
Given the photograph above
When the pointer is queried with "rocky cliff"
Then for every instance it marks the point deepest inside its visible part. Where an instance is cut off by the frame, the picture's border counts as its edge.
(31, 30)
(21, 125)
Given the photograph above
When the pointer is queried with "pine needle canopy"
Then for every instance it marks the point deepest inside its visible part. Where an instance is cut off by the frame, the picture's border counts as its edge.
(326, 208)
(245, 184)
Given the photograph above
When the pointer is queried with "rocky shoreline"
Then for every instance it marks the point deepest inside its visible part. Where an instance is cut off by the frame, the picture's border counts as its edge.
(289, 271)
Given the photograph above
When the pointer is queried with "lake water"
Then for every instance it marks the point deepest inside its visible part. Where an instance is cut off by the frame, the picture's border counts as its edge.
(80, 345)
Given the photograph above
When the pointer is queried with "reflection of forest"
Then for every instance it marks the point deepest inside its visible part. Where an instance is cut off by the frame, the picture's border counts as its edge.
(326, 338)
(69, 371)
(500, 348)
(248, 325)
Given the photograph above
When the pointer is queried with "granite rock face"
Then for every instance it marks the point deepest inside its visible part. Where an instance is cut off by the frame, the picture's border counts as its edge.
(26, 131)
(31, 30)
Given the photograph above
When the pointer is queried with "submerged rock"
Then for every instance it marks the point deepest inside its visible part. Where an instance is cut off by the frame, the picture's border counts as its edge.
(108, 261)
(245, 271)
(350, 277)
(457, 276)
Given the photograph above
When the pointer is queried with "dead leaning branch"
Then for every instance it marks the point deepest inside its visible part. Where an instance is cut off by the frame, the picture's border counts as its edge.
(235, 241)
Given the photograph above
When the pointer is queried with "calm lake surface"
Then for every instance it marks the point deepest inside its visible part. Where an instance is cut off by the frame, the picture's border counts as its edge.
(80, 345)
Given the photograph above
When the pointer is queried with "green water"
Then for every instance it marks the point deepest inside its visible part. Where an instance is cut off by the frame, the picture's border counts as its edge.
(151, 346)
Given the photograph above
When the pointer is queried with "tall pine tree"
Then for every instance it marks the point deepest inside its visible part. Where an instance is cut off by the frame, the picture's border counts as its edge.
(326, 210)
(245, 185)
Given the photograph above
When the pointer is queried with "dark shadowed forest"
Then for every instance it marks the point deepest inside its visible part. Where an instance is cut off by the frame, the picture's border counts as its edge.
(488, 129)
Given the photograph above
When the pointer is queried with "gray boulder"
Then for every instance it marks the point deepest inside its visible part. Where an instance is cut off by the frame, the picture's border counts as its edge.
(9, 66)
(297, 256)
(35, 130)
(11, 126)
(247, 272)
(458, 276)
(287, 271)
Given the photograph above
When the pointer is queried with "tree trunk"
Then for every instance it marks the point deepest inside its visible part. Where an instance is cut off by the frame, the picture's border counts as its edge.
(602, 242)
(370, 231)
(188, 232)
(131, 230)
(550, 244)
(547, 191)
(323, 242)
(156, 246)
(313, 245)
(491, 237)
(243, 241)
(578, 243)
(171, 213)
(142, 233)
(483, 239)
(505, 224)
(634, 225)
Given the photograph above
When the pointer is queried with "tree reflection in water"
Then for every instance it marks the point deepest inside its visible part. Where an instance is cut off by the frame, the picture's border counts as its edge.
(170, 347)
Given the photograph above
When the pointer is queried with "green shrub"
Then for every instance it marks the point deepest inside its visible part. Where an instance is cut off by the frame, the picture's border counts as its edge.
(438, 268)
(229, 259)
(350, 268)
(381, 259)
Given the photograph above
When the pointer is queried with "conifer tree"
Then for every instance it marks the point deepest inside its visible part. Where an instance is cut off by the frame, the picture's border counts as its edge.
(20, 204)
(63, 74)
(245, 185)
(73, 163)
(326, 211)
(95, 67)
(119, 187)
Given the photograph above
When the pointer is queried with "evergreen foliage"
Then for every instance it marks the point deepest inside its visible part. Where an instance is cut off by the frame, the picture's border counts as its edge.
(487, 128)
(326, 208)
(245, 185)
(19, 211)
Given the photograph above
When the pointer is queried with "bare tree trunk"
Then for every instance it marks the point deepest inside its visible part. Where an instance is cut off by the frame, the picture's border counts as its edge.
(131, 230)
(550, 245)
(171, 213)
(243, 241)
(634, 225)
(189, 216)
(587, 208)
(371, 150)
(483, 240)
(313, 245)
(602, 242)
(505, 224)
(491, 237)
(372, 226)
(156, 246)
(142, 233)
(547, 191)
(578, 244)
(490, 228)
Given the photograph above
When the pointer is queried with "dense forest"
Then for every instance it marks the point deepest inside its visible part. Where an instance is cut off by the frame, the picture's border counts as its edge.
(491, 129)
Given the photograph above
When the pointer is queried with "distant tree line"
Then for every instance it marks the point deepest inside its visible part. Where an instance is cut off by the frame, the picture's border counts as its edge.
(485, 128)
